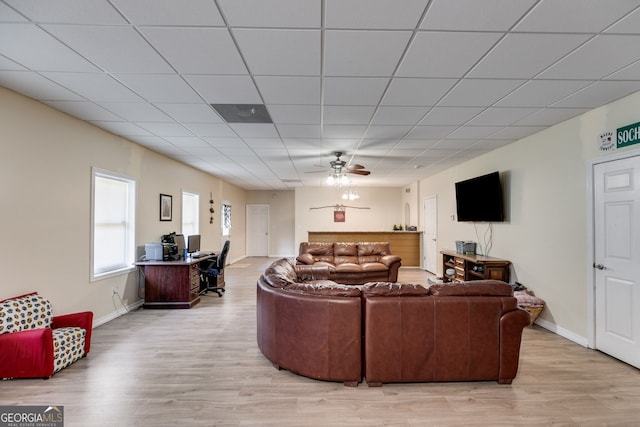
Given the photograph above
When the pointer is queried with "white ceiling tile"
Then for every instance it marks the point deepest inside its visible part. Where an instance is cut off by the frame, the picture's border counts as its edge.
(479, 92)
(94, 86)
(170, 12)
(363, 53)
(450, 115)
(430, 54)
(266, 143)
(474, 15)
(102, 45)
(353, 91)
(517, 132)
(430, 132)
(159, 87)
(630, 72)
(574, 16)
(416, 91)
(255, 130)
(597, 58)
(295, 114)
(500, 116)
(289, 90)
(225, 89)
(68, 11)
(36, 86)
(134, 132)
(599, 93)
(387, 132)
(473, 132)
(272, 14)
(211, 129)
(306, 145)
(455, 144)
(550, 116)
(224, 141)
(211, 44)
(347, 115)
(7, 64)
(136, 111)
(539, 93)
(395, 115)
(343, 131)
(418, 143)
(280, 52)
(299, 131)
(188, 142)
(628, 25)
(374, 14)
(190, 113)
(492, 144)
(165, 129)
(84, 110)
(44, 52)
(7, 14)
(513, 58)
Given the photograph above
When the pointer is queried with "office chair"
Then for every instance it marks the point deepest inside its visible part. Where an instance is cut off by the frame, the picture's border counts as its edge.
(214, 273)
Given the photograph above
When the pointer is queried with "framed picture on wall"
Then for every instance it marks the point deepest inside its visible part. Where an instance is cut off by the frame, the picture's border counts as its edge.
(339, 216)
(165, 207)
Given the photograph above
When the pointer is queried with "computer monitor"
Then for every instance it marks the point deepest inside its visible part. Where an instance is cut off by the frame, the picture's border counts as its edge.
(193, 243)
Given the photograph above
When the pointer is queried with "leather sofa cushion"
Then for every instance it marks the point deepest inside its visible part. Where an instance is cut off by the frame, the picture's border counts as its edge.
(280, 273)
(472, 288)
(323, 288)
(394, 289)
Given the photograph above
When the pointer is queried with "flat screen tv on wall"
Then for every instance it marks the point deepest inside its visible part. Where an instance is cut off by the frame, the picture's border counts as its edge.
(479, 199)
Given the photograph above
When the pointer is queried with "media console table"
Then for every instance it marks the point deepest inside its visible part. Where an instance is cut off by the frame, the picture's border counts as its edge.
(473, 267)
(172, 284)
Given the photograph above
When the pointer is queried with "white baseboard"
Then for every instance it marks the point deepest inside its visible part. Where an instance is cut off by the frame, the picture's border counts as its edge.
(583, 341)
(114, 315)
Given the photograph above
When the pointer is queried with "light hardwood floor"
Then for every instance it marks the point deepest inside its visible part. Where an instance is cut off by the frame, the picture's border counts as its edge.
(202, 367)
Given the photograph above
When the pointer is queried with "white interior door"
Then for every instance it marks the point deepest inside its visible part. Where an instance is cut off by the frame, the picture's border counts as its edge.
(257, 230)
(617, 258)
(430, 235)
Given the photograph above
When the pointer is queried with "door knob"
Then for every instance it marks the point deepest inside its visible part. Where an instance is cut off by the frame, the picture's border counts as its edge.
(599, 266)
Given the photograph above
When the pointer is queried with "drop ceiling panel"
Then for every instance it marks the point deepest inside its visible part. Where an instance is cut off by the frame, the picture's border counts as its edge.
(206, 47)
(473, 132)
(430, 54)
(395, 115)
(84, 110)
(280, 52)
(94, 86)
(165, 129)
(487, 15)
(353, 91)
(300, 131)
(539, 93)
(598, 93)
(45, 53)
(272, 14)
(479, 92)
(387, 131)
(170, 12)
(500, 116)
(416, 91)
(377, 14)
(103, 47)
(295, 114)
(347, 115)
(137, 111)
(132, 131)
(597, 58)
(450, 115)
(574, 16)
(190, 113)
(430, 132)
(512, 57)
(289, 90)
(628, 25)
(68, 11)
(7, 14)
(550, 116)
(363, 53)
(254, 130)
(219, 130)
(159, 87)
(217, 89)
(36, 86)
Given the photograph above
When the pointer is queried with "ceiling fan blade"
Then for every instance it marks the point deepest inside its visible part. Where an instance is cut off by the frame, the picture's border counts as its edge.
(359, 172)
(351, 167)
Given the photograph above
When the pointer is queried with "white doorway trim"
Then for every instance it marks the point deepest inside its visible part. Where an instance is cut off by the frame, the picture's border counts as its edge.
(591, 282)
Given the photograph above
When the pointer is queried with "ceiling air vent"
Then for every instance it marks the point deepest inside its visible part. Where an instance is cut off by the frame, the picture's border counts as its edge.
(243, 113)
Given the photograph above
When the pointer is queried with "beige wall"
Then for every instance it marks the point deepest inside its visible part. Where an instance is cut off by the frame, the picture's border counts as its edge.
(386, 209)
(546, 197)
(281, 219)
(45, 181)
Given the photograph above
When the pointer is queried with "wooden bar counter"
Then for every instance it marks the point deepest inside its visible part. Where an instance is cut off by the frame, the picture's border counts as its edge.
(405, 244)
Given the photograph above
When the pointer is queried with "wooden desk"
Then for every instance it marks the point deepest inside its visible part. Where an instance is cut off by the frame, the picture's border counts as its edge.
(405, 244)
(172, 284)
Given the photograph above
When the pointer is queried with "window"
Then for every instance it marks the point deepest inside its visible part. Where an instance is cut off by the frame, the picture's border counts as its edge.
(190, 214)
(113, 214)
(226, 218)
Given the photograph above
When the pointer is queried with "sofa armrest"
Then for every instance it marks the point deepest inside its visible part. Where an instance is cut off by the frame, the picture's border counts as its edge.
(511, 326)
(305, 259)
(27, 354)
(389, 260)
(312, 272)
(82, 320)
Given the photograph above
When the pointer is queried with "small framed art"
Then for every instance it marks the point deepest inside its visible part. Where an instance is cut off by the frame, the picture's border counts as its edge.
(166, 207)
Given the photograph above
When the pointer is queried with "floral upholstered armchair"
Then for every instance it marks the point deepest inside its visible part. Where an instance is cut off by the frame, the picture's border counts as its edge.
(34, 343)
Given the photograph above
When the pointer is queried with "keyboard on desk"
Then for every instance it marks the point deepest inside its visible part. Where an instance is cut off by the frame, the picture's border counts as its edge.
(200, 254)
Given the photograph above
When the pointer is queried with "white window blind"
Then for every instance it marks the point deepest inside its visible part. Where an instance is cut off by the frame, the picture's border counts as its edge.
(226, 218)
(113, 224)
(190, 214)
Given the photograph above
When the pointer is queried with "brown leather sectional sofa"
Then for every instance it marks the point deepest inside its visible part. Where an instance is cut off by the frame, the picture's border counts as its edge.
(352, 263)
(388, 332)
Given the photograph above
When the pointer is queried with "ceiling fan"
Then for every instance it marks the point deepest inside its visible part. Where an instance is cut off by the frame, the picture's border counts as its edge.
(339, 166)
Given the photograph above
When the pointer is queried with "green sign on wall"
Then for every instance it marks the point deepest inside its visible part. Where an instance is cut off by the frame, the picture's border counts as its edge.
(628, 135)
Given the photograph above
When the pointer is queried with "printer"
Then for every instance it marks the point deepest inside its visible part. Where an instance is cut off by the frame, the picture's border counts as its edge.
(161, 252)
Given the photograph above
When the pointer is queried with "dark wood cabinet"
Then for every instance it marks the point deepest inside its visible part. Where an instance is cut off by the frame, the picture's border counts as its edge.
(171, 284)
(473, 267)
